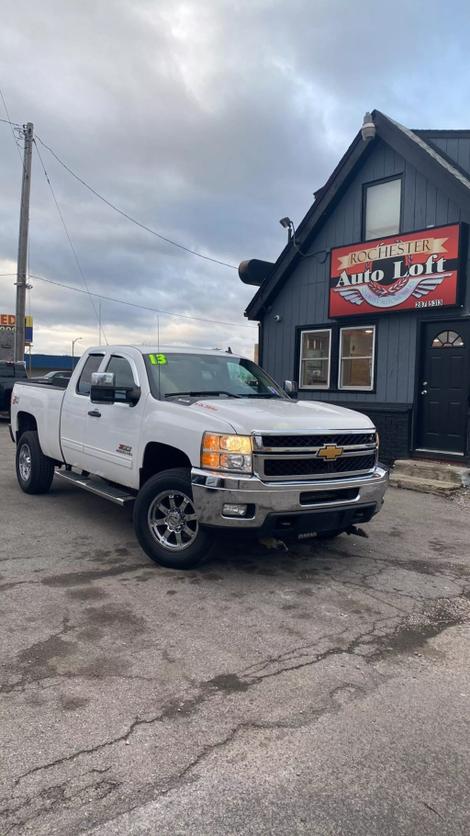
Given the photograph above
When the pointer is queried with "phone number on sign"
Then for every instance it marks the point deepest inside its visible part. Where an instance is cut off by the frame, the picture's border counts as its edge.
(433, 303)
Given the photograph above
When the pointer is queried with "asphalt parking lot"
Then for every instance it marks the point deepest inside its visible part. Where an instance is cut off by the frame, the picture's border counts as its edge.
(325, 690)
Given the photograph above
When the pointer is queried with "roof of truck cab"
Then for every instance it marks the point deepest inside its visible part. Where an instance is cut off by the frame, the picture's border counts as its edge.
(166, 349)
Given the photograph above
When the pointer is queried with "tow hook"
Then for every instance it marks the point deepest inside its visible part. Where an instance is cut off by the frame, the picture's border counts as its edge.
(274, 543)
(359, 532)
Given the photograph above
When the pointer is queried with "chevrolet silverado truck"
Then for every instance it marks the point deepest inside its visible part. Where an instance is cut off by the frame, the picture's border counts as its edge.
(197, 441)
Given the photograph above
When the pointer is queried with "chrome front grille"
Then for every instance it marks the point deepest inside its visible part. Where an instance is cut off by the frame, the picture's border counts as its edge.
(277, 442)
(289, 468)
(300, 456)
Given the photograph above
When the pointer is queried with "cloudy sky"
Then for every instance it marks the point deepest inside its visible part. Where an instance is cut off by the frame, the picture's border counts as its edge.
(207, 120)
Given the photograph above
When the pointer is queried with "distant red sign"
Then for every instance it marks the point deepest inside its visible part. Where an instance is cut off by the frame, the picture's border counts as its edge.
(8, 323)
(403, 272)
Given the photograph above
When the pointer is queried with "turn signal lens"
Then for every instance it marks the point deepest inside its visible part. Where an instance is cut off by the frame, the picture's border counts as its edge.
(209, 459)
(226, 452)
(211, 441)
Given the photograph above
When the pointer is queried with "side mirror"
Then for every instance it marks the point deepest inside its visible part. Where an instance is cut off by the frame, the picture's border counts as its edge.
(132, 395)
(291, 388)
(103, 379)
(104, 390)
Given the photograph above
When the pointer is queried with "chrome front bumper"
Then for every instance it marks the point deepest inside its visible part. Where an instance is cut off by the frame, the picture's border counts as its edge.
(211, 491)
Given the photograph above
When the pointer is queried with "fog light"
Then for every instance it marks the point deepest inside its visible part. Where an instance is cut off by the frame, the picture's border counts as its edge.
(233, 510)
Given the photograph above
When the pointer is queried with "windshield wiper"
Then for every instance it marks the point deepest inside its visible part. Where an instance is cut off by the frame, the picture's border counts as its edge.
(263, 395)
(205, 392)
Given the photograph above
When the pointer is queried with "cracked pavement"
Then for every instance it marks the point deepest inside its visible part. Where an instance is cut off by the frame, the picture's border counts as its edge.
(324, 691)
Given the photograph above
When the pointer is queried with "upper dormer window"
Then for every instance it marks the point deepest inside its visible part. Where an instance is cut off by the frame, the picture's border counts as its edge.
(382, 209)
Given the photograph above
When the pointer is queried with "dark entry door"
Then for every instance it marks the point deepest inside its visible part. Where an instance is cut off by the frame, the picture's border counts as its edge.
(444, 387)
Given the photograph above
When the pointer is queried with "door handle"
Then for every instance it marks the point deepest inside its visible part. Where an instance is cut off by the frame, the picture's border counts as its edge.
(94, 413)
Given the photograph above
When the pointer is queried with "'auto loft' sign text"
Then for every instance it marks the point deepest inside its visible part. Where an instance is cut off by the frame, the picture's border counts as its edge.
(8, 323)
(403, 272)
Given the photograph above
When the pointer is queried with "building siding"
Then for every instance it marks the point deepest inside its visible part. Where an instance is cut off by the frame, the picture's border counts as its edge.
(303, 299)
(457, 148)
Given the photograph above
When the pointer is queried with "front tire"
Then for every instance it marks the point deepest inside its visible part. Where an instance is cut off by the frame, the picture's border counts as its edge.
(166, 523)
(34, 470)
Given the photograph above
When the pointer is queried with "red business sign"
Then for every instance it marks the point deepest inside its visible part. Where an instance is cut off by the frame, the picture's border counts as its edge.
(403, 272)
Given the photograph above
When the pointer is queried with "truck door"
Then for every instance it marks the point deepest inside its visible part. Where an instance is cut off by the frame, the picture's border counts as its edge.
(75, 412)
(112, 431)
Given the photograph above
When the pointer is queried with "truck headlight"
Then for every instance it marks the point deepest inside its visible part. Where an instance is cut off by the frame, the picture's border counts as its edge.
(226, 452)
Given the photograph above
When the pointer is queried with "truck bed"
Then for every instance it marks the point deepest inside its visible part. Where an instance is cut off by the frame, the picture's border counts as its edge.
(44, 402)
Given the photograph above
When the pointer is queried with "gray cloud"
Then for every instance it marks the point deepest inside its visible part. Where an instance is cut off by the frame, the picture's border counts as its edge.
(207, 121)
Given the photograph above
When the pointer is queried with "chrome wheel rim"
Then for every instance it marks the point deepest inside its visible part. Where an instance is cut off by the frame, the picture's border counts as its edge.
(24, 462)
(173, 521)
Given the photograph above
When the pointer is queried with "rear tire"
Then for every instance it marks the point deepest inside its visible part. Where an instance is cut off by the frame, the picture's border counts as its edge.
(34, 470)
(166, 524)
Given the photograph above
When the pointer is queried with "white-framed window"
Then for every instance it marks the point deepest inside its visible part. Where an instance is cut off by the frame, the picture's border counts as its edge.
(357, 357)
(315, 359)
(382, 209)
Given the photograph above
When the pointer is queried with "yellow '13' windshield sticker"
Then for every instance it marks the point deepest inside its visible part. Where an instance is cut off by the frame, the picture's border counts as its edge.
(158, 359)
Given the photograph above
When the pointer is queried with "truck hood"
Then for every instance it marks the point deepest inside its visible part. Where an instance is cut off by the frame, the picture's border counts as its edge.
(264, 414)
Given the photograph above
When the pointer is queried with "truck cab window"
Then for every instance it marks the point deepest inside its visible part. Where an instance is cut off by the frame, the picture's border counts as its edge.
(122, 371)
(92, 364)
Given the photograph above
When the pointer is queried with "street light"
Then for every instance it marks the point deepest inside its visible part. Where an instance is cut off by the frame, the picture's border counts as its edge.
(73, 349)
(288, 224)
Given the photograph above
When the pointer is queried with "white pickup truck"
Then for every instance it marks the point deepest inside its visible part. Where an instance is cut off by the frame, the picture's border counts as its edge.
(197, 441)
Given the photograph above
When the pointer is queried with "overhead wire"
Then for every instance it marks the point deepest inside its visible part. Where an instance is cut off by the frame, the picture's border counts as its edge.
(132, 220)
(141, 307)
(8, 121)
(71, 244)
(12, 125)
(130, 217)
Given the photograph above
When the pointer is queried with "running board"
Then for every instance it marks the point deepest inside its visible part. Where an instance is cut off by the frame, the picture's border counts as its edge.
(98, 486)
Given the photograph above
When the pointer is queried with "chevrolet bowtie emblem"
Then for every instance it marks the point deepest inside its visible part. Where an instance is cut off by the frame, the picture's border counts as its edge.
(330, 452)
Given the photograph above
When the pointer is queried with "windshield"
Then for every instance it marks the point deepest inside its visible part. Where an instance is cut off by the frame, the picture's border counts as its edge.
(206, 375)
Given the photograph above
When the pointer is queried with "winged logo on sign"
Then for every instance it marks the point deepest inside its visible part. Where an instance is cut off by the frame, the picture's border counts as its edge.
(383, 296)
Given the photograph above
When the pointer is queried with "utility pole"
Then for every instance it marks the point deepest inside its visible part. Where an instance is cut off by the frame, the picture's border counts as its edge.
(23, 244)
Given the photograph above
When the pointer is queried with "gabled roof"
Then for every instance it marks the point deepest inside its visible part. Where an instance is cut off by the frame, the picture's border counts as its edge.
(429, 160)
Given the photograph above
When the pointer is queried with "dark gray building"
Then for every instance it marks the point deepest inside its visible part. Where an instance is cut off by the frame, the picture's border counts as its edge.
(368, 304)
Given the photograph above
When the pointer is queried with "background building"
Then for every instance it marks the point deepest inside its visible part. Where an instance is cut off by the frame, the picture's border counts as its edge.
(39, 364)
(368, 305)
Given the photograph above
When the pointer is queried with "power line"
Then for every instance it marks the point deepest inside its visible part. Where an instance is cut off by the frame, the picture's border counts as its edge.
(8, 121)
(136, 305)
(69, 239)
(133, 220)
(129, 217)
(13, 125)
